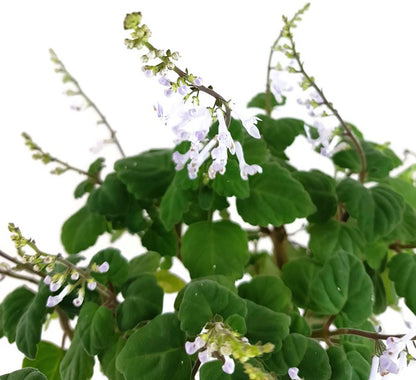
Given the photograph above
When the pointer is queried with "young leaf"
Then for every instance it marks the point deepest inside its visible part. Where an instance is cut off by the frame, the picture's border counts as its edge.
(275, 198)
(95, 327)
(76, 364)
(81, 230)
(14, 306)
(29, 328)
(147, 175)
(215, 248)
(204, 299)
(155, 351)
(143, 300)
(169, 282)
(47, 360)
(118, 270)
(268, 291)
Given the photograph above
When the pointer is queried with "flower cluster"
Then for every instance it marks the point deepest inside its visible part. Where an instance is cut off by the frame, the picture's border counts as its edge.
(394, 359)
(217, 341)
(56, 281)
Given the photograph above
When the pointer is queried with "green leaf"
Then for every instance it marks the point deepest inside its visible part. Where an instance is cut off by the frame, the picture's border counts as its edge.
(402, 271)
(81, 230)
(156, 351)
(405, 230)
(321, 189)
(147, 175)
(230, 183)
(340, 285)
(111, 199)
(83, 187)
(404, 188)
(96, 167)
(14, 306)
(157, 238)
(375, 253)
(169, 282)
(213, 370)
(259, 101)
(215, 248)
(332, 236)
(204, 299)
(380, 159)
(347, 366)
(76, 364)
(275, 198)
(119, 267)
(147, 262)
(175, 202)
(255, 150)
(266, 325)
(29, 328)
(24, 374)
(108, 359)
(268, 291)
(303, 353)
(143, 300)
(95, 327)
(378, 210)
(279, 134)
(47, 360)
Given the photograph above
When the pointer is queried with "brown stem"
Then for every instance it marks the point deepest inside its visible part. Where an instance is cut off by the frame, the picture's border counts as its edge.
(278, 235)
(19, 276)
(19, 264)
(398, 247)
(64, 323)
(323, 333)
(195, 368)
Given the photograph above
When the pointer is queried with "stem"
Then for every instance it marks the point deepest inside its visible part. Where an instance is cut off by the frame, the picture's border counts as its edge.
(19, 276)
(269, 61)
(323, 333)
(278, 236)
(24, 266)
(355, 142)
(102, 118)
(195, 368)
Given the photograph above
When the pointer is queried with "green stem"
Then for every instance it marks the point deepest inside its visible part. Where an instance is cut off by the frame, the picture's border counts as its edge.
(355, 142)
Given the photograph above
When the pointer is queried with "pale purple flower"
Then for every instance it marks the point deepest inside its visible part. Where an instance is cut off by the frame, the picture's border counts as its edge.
(99, 145)
(198, 81)
(293, 373)
(192, 347)
(80, 298)
(245, 169)
(104, 267)
(47, 280)
(168, 92)
(55, 285)
(183, 90)
(74, 276)
(148, 73)
(164, 81)
(224, 135)
(229, 365)
(91, 285)
(250, 126)
(52, 301)
(279, 84)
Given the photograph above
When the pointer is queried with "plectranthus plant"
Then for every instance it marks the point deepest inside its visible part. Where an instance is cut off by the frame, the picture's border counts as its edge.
(290, 270)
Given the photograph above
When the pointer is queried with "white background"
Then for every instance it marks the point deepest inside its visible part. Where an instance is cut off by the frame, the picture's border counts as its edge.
(361, 53)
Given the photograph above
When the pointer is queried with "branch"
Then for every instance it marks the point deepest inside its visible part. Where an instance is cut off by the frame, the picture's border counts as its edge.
(18, 276)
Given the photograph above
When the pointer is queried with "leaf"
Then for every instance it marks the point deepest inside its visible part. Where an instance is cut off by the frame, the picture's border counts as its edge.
(81, 230)
(230, 183)
(156, 351)
(29, 328)
(47, 360)
(279, 134)
(375, 253)
(175, 202)
(347, 366)
(76, 364)
(169, 282)
(213, 370)
(215, 248)
(268, 291)
(96, 167)
(83, 187)
(14, 306)
(255, 150)
(303, 353)
(266, 325)
(340, 285)
(143, 300)
(24, 374)
(259, 101)
(402, 271)
(95, 327)
(404, 188)
(157, 238)
(147, 262)
(148, 174)
(108, 359)
(111, 199)
(378, 210)
(275, 198)
(202, 300)
(321, 189)
(333, 236)
(118, 270)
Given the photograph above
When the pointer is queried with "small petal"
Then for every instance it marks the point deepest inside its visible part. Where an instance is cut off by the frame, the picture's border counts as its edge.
(104, 267)
(192, 347)
(183, 90)
(198, 81)
(52, 301)
(293, 373)
(92, 285)
(229, 365)
(77, 301)
(374, 368)
(75, 276)
(164, 81)
(47, 280)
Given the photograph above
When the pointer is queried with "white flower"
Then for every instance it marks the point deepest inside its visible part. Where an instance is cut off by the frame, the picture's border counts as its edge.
(74, 276)
(245, 169)
(329, 145)
(55, 285)
(99, 145)
(47, 280)
(198, 81)
(104, 267)
(249, 121)
(91, 285)
(229, 365)
(293, 373)
(279, 84)
(192, 347)
(224, 135)
(52, 301)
